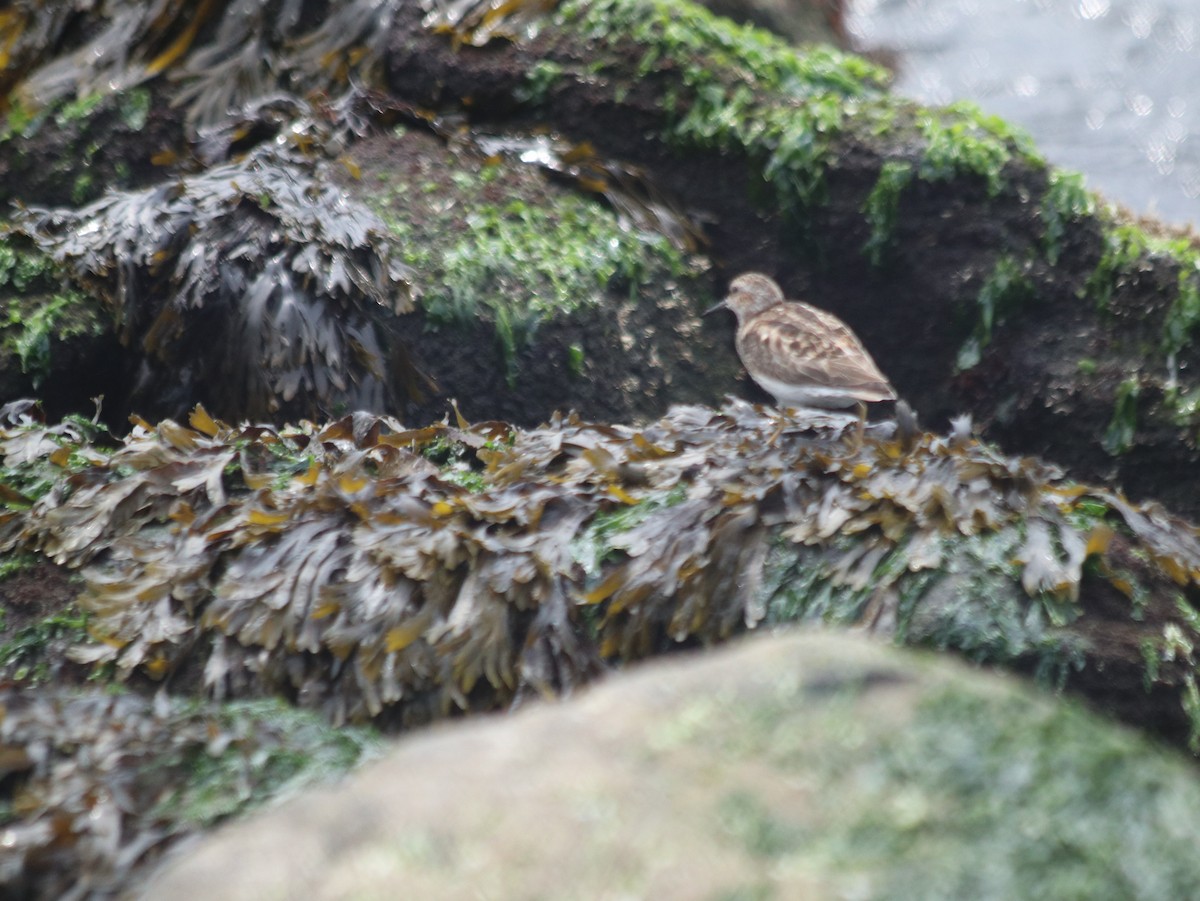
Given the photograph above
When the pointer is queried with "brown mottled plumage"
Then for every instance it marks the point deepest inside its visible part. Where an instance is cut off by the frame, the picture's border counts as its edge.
(802, 356)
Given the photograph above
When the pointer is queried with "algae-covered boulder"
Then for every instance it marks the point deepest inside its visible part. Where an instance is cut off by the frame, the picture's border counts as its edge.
(801, 766)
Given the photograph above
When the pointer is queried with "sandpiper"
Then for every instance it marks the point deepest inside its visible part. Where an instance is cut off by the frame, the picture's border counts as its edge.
(802, 356)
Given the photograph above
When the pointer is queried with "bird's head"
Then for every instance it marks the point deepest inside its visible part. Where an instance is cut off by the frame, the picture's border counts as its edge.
(750, 293)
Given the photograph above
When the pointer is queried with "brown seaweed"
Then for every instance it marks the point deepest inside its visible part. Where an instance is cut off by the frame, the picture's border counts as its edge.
(341, 566)
(255, 286)
(219, 55)
(477, 22)
(222, 54)
(97, 785)
(128, 43)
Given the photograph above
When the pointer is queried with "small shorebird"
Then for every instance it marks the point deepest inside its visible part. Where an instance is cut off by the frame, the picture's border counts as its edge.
(802, 356)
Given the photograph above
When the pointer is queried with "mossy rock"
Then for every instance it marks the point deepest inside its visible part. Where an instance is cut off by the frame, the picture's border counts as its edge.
(563, 306)
(71, 151)
(55, 340)
(806, 765)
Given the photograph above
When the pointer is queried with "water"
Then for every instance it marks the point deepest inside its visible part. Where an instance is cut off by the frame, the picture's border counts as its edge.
(1110, 88)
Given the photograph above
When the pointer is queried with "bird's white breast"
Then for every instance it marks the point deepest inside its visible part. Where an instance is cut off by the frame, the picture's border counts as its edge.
(805, 395)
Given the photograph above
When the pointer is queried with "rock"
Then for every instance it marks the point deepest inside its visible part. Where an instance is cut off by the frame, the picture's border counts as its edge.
(807, 765)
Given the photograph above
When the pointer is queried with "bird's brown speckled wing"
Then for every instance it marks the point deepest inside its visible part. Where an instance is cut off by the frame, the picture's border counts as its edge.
(799, 344)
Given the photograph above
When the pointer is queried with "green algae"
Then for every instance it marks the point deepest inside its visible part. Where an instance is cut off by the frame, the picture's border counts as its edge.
(970, 767)
(1119, 436)
(21, 268)
(593, 546)
(575, 359)
(1065, 203)
(134, 108)
(16, 562)
(738, 91)
(960, 142)
(456, 462)
(297, 749)
(1129, 249)
(1129, 253)
(882, 209)
(737, 88)
(1006, 290)
(973, 603)
(539, 81)
(939, 786)
(35, 475)
(523, 265)
(574, 251)
(702, 46)
(1174, 646)
(1184, 314)
(38, 310)
(78, 110)
(1124, 246)
(28, 656)
(20, 121)
(524, 256)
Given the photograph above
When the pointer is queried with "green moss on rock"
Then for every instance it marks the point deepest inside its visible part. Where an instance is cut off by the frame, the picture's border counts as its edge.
(737, 88)
(32, 653)
(1007, 289)
(493, 241)
(1129, 249)
(293, 748)
(39, 311)
(882, 209)
(1119, 436)
(973, 602)
(960, 140)
(1065, 203)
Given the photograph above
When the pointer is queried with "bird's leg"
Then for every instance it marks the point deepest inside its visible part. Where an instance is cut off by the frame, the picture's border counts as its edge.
(862, 424)
(778, 430)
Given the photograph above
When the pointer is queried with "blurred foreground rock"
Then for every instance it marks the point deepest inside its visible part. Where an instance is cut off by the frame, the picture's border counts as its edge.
(801, 766)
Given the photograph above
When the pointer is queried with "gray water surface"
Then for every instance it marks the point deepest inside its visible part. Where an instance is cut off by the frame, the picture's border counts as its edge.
(1110, 88)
